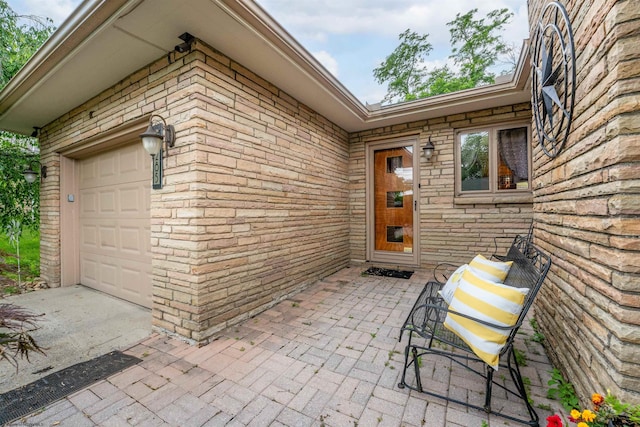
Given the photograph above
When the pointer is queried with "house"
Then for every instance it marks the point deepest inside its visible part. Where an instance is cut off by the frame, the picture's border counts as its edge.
(278, 176)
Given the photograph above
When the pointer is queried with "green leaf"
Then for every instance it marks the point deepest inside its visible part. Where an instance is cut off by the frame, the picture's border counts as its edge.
(20, 37)
(476, 46)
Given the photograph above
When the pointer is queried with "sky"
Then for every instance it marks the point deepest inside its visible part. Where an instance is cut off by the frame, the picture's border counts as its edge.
(352, 37)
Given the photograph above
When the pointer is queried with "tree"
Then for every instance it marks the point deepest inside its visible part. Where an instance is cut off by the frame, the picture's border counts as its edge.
(19, 200)
(20, 37)
(476, 46)
(402, 69)
(443, 80)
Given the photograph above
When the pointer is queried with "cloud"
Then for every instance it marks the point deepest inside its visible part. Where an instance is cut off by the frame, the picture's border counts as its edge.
(439, 63)
(359, 34)
(317, 20)
(328, 61)
(56, 10)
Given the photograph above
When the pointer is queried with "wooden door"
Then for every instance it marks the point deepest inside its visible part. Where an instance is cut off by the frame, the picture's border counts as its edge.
(393, 201)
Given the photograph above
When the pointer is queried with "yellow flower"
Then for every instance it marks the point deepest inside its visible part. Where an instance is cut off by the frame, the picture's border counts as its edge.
(581, 424)
(575, 414)
(597, 399)
(588, 416)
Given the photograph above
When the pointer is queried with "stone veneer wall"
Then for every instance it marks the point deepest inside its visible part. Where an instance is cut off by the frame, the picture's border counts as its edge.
(449, 232)
(255, 202)
(587, 207)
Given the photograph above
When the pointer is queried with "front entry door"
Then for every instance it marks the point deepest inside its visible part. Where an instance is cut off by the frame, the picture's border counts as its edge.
(392, 213)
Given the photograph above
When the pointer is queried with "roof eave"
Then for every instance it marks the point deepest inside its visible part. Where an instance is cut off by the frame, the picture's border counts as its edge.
(515, 90)
(322, 92)
(84, 20)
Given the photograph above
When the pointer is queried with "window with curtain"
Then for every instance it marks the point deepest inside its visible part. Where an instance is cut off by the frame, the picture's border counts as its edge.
(493, 160)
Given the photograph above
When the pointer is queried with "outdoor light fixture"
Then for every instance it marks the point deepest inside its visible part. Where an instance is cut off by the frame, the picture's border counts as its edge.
(157, 132)
(30, 175)
(188, 40)
(33, 169)
(428, 149)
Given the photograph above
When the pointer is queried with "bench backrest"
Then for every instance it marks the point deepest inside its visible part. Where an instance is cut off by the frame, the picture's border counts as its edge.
(529, 269)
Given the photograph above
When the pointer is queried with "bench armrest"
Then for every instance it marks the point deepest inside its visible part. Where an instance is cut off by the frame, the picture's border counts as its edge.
(426, 318)
(495, 255)
(442, 271)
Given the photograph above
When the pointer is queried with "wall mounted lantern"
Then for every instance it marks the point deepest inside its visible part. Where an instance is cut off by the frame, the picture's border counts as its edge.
(157, 132)
(428, 149)
(30, 175)
(33, 169)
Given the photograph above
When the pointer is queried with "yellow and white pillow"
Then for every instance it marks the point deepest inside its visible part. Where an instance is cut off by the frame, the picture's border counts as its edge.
(495, 271)
(488, 301)
(452, 283)
(486, 269)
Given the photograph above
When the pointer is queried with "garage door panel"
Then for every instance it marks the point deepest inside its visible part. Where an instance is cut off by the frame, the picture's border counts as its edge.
(88, 236)
(107, 202)
(108, 241)
(115, 255)
(109, 275)
(130, 200)
(131, 240)
(107, 167)
(131, 162)
(88, 202)
(88, 171)
(124, 240)
(127, 201)
(147, 243)
(89, 270)
(131, 275)
(121, 166)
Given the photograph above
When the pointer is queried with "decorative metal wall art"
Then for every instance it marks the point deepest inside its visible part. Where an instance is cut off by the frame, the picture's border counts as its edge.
(554, 78)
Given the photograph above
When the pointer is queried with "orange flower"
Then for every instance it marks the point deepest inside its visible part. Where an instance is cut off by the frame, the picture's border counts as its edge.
(588, 416)
(597, 399)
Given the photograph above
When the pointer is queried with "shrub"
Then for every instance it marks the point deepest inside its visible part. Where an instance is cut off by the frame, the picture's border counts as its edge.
(16, 325)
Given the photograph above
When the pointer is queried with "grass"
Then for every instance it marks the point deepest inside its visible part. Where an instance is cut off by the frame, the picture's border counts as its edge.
(29, 255)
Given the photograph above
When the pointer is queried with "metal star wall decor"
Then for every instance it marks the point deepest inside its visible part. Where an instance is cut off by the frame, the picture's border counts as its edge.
(554, 78)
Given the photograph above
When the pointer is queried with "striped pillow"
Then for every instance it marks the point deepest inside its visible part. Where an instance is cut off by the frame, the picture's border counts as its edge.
(487, 301)
(494, 271)
(450, 287)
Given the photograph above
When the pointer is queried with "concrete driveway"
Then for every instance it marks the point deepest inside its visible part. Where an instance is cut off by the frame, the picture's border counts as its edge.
(78, 324)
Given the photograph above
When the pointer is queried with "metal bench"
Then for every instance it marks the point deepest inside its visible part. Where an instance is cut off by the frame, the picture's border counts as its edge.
(428, 336)
(529, 239)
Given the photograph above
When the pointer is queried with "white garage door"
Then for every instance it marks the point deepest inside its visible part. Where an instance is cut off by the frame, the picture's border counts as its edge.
(114, 201)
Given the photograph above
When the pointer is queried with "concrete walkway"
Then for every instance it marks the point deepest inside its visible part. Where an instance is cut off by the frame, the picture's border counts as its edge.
(328, 356)
(78, 324)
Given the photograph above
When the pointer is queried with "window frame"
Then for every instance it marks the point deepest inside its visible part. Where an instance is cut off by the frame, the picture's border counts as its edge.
(493, 193)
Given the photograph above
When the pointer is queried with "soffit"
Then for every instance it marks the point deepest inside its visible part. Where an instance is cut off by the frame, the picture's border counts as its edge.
(105, 41)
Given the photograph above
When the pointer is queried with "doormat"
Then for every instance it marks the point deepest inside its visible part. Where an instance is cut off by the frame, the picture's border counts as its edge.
(399, 274)
(38, 394)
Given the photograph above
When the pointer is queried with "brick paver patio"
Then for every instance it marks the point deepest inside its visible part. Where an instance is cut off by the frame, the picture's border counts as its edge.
(328, 356)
